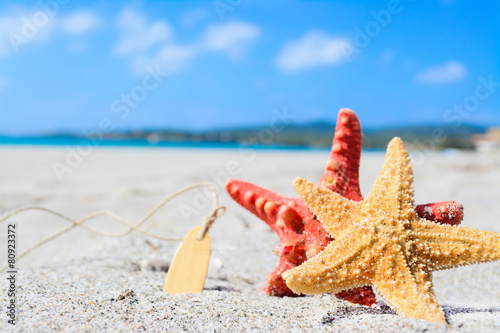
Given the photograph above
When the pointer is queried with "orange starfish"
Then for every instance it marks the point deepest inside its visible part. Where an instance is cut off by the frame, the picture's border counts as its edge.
(380, 241)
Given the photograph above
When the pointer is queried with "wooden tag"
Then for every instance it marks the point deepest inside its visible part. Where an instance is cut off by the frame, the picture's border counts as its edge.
(188, 270)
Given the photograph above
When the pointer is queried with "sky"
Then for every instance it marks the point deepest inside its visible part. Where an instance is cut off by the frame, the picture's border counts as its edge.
(75, 66)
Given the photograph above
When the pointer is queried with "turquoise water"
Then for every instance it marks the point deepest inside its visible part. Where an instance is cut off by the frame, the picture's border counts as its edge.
(68, 141)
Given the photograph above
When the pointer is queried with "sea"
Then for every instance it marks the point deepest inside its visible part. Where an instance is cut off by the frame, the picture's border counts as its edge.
(74, 142)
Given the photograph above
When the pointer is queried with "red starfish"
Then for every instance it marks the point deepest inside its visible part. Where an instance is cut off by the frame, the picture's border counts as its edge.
(301, 235)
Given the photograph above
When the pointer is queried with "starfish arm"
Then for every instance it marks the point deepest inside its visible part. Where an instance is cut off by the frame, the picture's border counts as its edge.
(260, 201)
(408, 292)
(444, 212)
(452, 246)
(393, 189)
(275, 285)
(322, 202)
(343, 265)
(342, 168)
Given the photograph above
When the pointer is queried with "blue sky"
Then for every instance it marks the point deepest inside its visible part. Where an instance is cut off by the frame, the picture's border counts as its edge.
(75, 65)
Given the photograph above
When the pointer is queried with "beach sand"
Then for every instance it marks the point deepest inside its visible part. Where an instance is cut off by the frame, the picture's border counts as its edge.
(85, 282)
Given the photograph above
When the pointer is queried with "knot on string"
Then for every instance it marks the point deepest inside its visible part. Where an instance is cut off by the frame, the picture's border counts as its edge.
(209, 220)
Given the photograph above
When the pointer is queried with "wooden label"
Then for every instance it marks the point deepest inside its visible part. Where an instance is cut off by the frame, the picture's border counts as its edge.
(188, 270)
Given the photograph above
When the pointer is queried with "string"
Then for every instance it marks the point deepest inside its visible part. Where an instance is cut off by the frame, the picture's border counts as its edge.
(207, 221)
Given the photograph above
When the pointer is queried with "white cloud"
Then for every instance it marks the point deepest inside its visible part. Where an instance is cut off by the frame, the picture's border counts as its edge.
(171, 58)
(176, 55)
(80, 22)
(449, 72)
(21, 27)
(138, 35)
(147, 43)
(232, 38)
(150, 43)
(313, 49)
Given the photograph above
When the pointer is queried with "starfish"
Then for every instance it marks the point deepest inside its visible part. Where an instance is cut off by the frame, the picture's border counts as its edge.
(301, 235)
(380, 241)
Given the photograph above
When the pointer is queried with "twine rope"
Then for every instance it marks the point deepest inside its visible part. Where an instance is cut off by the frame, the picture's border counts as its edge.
(207, 221)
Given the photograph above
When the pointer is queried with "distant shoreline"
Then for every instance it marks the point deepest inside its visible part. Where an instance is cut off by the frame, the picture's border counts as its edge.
(314, 136)
(175, 144)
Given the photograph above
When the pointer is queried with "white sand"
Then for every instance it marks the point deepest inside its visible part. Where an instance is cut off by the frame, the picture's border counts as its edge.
(69, 285)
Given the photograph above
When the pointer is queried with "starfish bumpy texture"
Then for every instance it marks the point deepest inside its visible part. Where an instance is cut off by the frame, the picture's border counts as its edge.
(381, 242)
(300, 234)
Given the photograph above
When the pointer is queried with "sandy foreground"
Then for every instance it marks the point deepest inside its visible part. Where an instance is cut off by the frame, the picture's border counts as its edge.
(87, 282)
